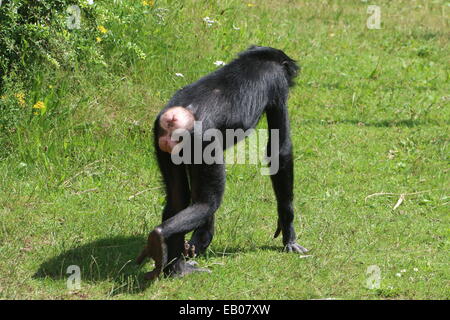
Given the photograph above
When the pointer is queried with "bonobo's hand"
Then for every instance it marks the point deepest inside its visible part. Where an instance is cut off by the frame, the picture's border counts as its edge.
(295, 247)
(291, 246)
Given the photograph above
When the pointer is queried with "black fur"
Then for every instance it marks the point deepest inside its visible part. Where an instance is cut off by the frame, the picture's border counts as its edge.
(234, 96)
(244, 88)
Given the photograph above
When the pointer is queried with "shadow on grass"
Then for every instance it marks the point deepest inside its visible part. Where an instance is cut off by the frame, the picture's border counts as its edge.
(113, 260)
(110, 259)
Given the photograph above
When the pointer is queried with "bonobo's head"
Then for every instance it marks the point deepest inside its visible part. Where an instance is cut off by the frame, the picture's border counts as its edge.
(267, 53)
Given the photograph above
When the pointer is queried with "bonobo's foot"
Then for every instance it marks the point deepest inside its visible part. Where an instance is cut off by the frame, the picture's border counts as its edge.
(181, 267)
(295, 247)
(197, 245)
(189, 250)
(156, 249)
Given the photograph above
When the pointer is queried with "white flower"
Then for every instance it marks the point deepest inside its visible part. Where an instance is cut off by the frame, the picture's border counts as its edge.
(179, 75)
(209, 22)
(219, 63)
(90, 2)
(415, 269)
(398, 275)
(161, 13)
(403, 270)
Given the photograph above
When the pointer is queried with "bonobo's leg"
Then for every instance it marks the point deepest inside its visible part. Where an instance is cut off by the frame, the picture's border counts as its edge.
(177, 198)
(201, 239)
(283, 179)
(208, 186)
(203, 235)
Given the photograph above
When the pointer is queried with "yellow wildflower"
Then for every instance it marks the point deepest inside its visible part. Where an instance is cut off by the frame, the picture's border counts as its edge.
(148, 3)
(102, 29)
(40, 105)
(251, 5)
(21, 98)
(98, 39)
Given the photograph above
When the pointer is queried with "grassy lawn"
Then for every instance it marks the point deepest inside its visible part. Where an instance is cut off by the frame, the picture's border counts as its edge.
(370, 118)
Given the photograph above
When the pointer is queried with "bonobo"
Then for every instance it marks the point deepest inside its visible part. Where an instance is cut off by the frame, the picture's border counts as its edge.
(232, 97)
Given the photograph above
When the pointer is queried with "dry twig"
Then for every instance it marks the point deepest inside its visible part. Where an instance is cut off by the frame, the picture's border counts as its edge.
(141, 192)
(400, 199)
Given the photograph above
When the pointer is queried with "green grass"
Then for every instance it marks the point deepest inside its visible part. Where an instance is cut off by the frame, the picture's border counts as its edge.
(370, 114)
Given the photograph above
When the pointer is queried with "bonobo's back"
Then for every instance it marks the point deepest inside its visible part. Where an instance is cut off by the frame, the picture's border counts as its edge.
(243, 88)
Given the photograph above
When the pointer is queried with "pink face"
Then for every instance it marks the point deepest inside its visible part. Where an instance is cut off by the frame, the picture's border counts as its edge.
(174, 118)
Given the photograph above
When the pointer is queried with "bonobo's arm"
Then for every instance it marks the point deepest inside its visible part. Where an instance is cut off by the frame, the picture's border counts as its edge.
(283, 179)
